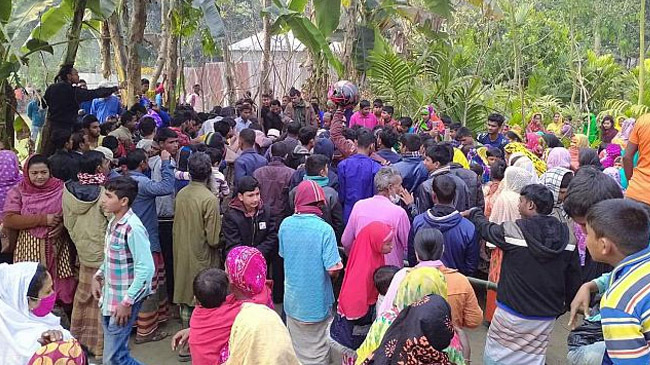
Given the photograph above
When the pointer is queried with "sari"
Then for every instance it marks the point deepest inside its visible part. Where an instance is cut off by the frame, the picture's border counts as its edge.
(577, 142)
(611, 152)
(9, 174)
(534, 145)
(558, 157)
(539, 165)
(534, 127)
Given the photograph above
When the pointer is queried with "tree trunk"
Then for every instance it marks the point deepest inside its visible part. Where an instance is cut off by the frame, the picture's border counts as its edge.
(119, 50)
(105, 50)
(7, 108)
(265, 77)
(230, 73)
(165, 15)
(136, 35)
(74, 32)
(349, 26)
(641, 52)
(172, 71)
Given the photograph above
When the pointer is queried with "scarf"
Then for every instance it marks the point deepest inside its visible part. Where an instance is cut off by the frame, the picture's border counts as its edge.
(615, 174)
(322, 181)
(391, 293)
(91, 179)
(246, 269)
(506, 206)
(626, 129)
(552, 179)
(19, 328)
(533, 126)
(558, 157)
(30, 199)
(420, 333)
(533, 144)
(607, 135)
(210, 331)
(539, 165)
(358, 291)
(308, 196)
(612, 152)
(9, 174)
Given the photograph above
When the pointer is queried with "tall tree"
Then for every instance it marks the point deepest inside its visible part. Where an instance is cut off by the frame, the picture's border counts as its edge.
(75, 31)
(136, 35)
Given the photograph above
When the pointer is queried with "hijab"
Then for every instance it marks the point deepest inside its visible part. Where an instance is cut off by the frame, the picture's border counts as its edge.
(552, 179)
(526, 164)
(533, 144)
(19, 327)
(308, 195)
(558, 157)
(9, 174)
(29, 199)
(612, 151)
(581, 140)
(607, 135)
(539, 165)
(420, 333)
(246, 269)
(358, 291)
(506, 206)
(626, 129)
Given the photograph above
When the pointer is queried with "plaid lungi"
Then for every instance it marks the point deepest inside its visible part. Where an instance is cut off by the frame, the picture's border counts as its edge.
(155, 307)
(86, 324)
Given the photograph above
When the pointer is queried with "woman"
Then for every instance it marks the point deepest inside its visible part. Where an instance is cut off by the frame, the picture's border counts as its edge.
(420, 334)
(258, 337)
(34, 208)
(578, 141)
(512, 136)
(9, 177)
(505, 209)
(535, 144)
(589, 157)
(558, 157)
(417, 284)
(29, 333)
(610, 154)
(556, 124)
(535, 125)
(607, 130)
(514, 147)
(626, 129)
(246, 268)
(358, 296)
(590, 128)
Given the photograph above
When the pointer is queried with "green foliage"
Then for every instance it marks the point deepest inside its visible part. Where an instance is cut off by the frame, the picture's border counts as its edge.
(211, 16)
(327, 15)
(392, 80)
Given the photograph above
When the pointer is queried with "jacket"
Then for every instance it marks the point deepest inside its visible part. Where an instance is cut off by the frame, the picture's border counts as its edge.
(413, 172)
(258, 231)
(63, 100)
(461, 242)
(297, 156)
(85, 221)
(299, 175)
(540, 272)
(302, 113)
(332, 212)
(247, 162)
(476, 198)
(356, 181)
(274, 187)
(389, 155)
(423, 194)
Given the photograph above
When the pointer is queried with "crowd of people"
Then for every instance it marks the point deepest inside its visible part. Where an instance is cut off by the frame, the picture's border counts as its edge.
(283, 233)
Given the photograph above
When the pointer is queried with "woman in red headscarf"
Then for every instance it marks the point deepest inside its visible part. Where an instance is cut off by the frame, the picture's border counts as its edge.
(358, 297)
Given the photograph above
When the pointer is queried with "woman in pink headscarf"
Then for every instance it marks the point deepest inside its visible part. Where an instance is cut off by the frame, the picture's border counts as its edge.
(558, 157)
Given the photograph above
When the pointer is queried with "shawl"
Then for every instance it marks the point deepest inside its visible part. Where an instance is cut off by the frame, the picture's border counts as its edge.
(308, 195)
(29, 199)
(534, 127)
(246, 268)
(258, 337)
(558, 157)
(420, 333)
(611, 153)
(607, 135)
(626, 129)
(540, 166)
(506, 206)
(9, 174)
(552, 179)
(566, 130)
(615, 174)
(533, 144)
(526, 164)
(19, 328)
(358, 291)
(399, 276)
(210, 330)
(591, 129)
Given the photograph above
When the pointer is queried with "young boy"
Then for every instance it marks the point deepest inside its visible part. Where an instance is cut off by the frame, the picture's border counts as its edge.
(124, 278)
(539, 276)
(382, 278)
(617, 234)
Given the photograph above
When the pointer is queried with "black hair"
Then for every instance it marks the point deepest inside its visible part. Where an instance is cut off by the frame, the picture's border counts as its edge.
(293, 128)
(89, 162)
(496, 117)
(513, 137)
(248, 137)
(589, 157)
(137, 108)
(247, 184)
(427, 141)
(463, 132)
(107, 127)
(294, 92)
(275, 102)
(199, 166)
(306, 134)
(178, 120)
(135, 158)
(566, 180)
(110, 142)
(77, 140)
(144, 81)
(126, 117)
(498, 170)
(37, 282)
(123, 187)
(38, 158)
(216, 153)
(406, 122)
(388, 109)
(588, 187)
(439, 153)
(608, 117)
(552, 141)
(222, 127)
(279, 149)
(494, 152)
(378, 102)
(210, 287)
(350, 134)
(383, 276)
(64, 71)
(429, 243)
(164, 134)
(315, 163)
(455, 126)
(388, 137)
(365, 138)
(147, 126)
(445, 189)
(446, 120)
(60, 137)
(87, 120)
(623, 222)
(364, 104)
(476, 168)
(411, 141)
(541, 196)
(245, 107)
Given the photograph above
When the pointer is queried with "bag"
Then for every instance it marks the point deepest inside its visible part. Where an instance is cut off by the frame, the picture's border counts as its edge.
(8, 239)
(586, 334)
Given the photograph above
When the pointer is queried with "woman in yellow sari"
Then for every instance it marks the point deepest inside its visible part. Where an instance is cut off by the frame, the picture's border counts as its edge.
(516, 147)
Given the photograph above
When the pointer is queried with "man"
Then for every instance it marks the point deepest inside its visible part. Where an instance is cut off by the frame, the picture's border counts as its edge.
(247, 222)
(465, 137)
(461, 242)
(124, 133)
(243, 120)
(307, 138)
(64, 167)
(195, 99)
(196, 232)
(36, 113)
(377, 107)
(469, 177)
(639, 176)
(386, 140)
(311, 259)
(411, 167)
(85, 106)
(154, 308)
(102, 108)
(147, 130)
(363, 117)
(249, 160)
(387, 117)
(182, 124)
(298, 110)
(383, 208)
(291, 140)
(274, 181)
(357, 173)
(274, 118)
(493, 136)
(436, 162)
(92, 131)
(323, 147)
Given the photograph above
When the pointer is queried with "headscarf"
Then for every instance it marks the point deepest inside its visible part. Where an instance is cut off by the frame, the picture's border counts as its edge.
(420, 333)
(258, 337)
(358, 292)
(460, 158)
(526, 164)
(626, 129)
(534, 127)
(533, 144)
(308, 195)
(558, 157)
(580, 140)
(552, 179)
(29, 199)
(9, 174)
(19, 327)
(591, 128)
(611, 153)
(506, 206)
(540, 166)
(246, 268)
(615, 174)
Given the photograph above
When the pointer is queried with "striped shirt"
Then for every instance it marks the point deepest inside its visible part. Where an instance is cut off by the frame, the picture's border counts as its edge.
(128, 266)
(625, 311)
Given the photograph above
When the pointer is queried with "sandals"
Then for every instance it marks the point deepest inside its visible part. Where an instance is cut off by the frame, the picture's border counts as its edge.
(154, 337)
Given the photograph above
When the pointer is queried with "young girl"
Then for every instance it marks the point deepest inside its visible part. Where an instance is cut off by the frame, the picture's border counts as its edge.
(607, 130)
